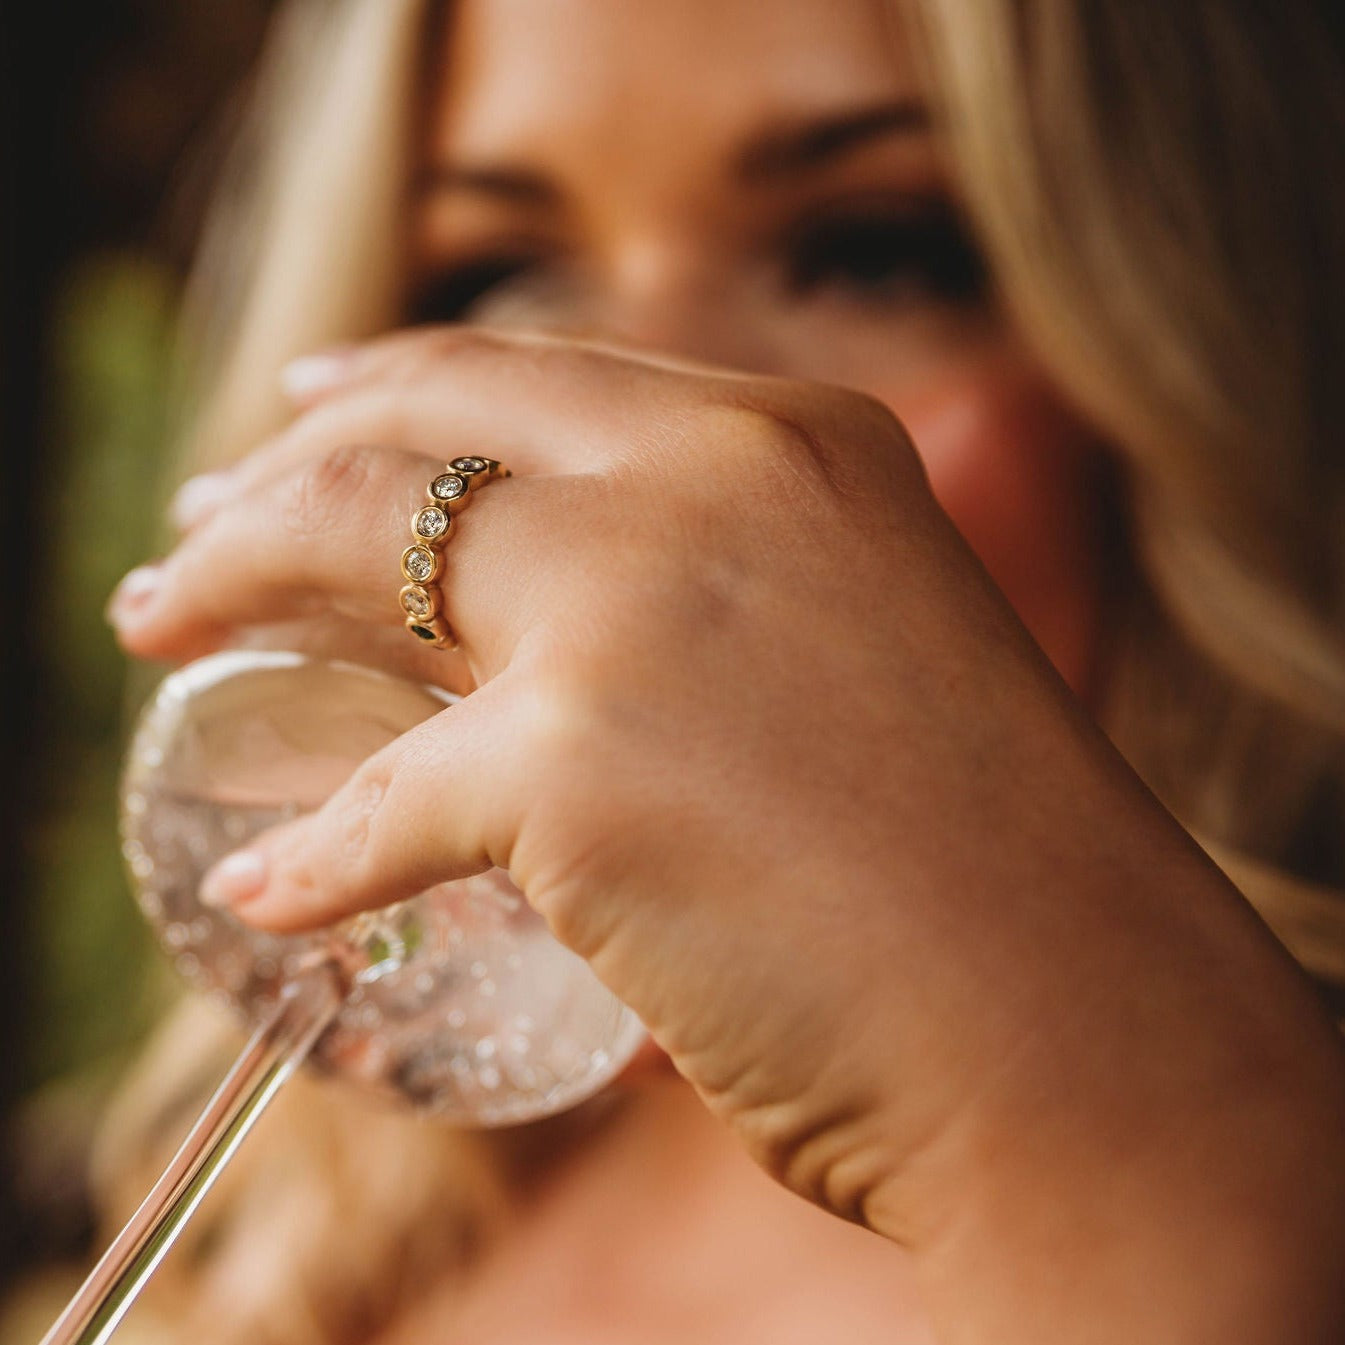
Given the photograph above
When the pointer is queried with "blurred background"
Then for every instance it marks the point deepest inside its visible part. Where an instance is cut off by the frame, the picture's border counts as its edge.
(113, 115)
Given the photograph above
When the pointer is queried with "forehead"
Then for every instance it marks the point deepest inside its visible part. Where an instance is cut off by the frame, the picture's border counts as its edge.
(514, 75)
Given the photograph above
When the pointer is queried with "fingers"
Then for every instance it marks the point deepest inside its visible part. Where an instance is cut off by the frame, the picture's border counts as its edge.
(423, 419)
(539, 405)
(436, 804)
(320, 553)
(557, 391)
(328, 537)
(400, 356)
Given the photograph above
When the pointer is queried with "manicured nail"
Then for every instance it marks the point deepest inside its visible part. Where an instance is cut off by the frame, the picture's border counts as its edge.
(235, 879)
(134, 591)
(198, 498)
(313, 376)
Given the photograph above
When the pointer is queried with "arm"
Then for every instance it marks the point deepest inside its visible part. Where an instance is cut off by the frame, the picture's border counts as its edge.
(756, 734)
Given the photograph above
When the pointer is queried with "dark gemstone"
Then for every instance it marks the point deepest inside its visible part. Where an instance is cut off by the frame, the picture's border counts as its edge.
(424, 632)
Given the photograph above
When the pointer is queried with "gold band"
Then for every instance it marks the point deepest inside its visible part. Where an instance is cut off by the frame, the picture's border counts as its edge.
(431, 526)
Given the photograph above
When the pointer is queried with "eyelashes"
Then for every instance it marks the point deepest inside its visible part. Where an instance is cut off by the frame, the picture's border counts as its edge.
(453, 294)
(888, 256)
(874, 257)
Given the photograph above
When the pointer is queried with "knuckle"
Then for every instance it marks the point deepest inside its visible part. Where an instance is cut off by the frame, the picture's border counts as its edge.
(763, 433)
(415, 357)
(822, 435)
(554, 720)
(561, 727)
(320, 492)
(767, 450)
(583, 815)
(862, 434)
(351, 853)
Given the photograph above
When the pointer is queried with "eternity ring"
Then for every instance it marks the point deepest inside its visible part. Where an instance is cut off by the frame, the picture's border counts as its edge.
(431, 526)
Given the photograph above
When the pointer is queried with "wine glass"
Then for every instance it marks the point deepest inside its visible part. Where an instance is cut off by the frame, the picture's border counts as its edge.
(457, 1002)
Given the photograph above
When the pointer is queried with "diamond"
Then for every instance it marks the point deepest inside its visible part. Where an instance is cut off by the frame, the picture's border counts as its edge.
(419, 563)
(471, 466)
(430, 523)
(417, 602)
(450, 486)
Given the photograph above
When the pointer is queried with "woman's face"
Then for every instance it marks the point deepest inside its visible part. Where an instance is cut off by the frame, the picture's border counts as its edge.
(756, 185)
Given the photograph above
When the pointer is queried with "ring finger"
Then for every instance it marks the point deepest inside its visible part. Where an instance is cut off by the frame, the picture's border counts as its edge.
(324, 539)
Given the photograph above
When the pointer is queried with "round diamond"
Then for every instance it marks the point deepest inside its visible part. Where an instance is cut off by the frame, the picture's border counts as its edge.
(450, 486)
(431, 522)
(418, 563)
(417, 602)
(468, 465)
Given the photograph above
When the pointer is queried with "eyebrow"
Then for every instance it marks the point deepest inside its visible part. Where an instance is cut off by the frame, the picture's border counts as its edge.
(779, 151)
(813, 141)
(520, 185)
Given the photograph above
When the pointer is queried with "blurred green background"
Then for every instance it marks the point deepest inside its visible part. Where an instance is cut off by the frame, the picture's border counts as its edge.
(113, 329)
(113, 114)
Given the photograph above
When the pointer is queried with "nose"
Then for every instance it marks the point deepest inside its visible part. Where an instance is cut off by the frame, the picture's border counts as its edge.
(677, 301)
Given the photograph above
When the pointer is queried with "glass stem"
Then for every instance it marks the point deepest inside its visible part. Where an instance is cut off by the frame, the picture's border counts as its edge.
(305, 1008)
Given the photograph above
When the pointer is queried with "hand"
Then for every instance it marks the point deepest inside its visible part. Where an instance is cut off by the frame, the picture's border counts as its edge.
(758, 737)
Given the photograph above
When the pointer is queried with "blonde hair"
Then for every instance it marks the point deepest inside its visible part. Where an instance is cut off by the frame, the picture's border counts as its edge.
(303, 249)
(1181, 303)
(1160, 189)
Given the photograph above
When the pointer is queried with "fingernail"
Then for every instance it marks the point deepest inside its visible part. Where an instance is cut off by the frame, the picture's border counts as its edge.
(198, 498)
(134, 591)
(311, 376)
(235, 879)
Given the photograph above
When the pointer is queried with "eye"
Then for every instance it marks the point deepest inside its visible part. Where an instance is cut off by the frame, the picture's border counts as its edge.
(453, 294)
(887, 256)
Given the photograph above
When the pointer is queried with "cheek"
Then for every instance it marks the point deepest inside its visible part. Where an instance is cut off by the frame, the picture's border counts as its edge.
(1021, 480)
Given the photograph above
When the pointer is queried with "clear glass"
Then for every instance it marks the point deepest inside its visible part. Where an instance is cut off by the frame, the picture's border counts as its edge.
(276, 1049)
(457, 1002)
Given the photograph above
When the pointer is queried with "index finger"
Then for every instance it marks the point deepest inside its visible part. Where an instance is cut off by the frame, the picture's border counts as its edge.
(399, 355)
(542, 406)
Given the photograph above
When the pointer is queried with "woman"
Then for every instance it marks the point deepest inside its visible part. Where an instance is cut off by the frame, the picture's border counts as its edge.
(880, 888)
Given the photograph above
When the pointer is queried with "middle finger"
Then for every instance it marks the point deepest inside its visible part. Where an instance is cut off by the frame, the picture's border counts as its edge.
(324, 538)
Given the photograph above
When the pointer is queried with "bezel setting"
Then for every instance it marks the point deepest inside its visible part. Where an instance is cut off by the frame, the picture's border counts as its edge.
(419, 602)
(432, 523)
(448, 487)
(421, 564)
(431, 526)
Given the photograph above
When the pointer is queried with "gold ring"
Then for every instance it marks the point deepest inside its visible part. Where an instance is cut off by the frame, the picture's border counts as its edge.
(431, 527)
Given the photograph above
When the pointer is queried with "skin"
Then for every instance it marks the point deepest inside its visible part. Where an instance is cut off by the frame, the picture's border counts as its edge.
(548, 143)
(792, 772)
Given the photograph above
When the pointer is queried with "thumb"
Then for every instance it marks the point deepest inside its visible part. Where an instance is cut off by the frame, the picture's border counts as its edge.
(430, 807)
